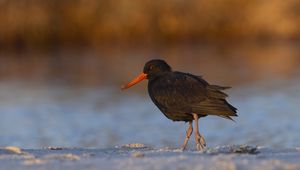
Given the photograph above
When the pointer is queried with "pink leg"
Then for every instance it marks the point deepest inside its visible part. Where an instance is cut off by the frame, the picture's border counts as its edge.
(200, 141)
(189, 132)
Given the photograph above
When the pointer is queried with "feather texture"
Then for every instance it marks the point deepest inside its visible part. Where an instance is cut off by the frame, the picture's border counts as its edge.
(179, 94)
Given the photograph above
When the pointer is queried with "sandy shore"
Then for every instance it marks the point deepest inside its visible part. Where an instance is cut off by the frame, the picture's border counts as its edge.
(138, 156)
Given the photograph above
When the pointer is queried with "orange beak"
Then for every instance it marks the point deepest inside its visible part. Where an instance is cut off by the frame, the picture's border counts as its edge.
(138, 79)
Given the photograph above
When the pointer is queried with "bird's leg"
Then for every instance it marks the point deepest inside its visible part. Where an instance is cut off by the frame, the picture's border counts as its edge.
(189, 132)
(200, 141)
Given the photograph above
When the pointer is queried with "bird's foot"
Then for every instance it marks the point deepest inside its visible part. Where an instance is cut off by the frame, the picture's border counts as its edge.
(189, 132)
(200, 142)
(183, 148)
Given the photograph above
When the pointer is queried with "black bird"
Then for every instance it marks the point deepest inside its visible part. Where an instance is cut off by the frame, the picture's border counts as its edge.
(184, 97)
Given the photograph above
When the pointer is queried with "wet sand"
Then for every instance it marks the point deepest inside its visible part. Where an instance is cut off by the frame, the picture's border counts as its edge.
(143, 157)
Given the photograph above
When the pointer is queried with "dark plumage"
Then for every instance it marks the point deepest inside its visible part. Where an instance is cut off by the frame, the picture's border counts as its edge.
(183, 96)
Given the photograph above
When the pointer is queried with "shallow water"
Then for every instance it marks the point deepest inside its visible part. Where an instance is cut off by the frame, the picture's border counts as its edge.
(35, 116)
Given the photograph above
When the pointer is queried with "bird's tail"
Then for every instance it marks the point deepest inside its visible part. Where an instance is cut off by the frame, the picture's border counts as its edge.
(215, 91)
(216, 104)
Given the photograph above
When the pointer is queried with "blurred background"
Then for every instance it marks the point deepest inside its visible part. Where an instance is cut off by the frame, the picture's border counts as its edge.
(62, 63)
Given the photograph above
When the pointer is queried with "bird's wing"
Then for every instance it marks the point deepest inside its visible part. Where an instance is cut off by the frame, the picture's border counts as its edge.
(189, 93)
(178, 92)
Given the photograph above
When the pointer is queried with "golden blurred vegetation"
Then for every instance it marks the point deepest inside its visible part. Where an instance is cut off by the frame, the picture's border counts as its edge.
(90, 41)
(47, 23)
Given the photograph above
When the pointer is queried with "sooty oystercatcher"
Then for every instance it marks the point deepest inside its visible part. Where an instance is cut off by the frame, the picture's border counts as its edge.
(184, 97)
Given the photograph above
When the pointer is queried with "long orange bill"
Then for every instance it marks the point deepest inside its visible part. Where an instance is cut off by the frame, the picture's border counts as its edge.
(139, 78)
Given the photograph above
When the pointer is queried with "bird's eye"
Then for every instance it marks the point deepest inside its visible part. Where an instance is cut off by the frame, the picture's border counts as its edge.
(151, 67)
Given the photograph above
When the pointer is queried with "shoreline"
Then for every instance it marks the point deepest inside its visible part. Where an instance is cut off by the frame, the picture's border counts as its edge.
(139, 156)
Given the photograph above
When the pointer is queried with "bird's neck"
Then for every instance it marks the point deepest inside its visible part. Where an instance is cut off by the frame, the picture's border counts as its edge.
(156, 76)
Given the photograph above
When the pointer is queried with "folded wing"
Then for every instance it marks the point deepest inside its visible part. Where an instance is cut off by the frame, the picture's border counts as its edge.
(191, 94)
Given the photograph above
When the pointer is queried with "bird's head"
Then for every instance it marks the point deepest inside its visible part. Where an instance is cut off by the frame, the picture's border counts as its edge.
(152, 69)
